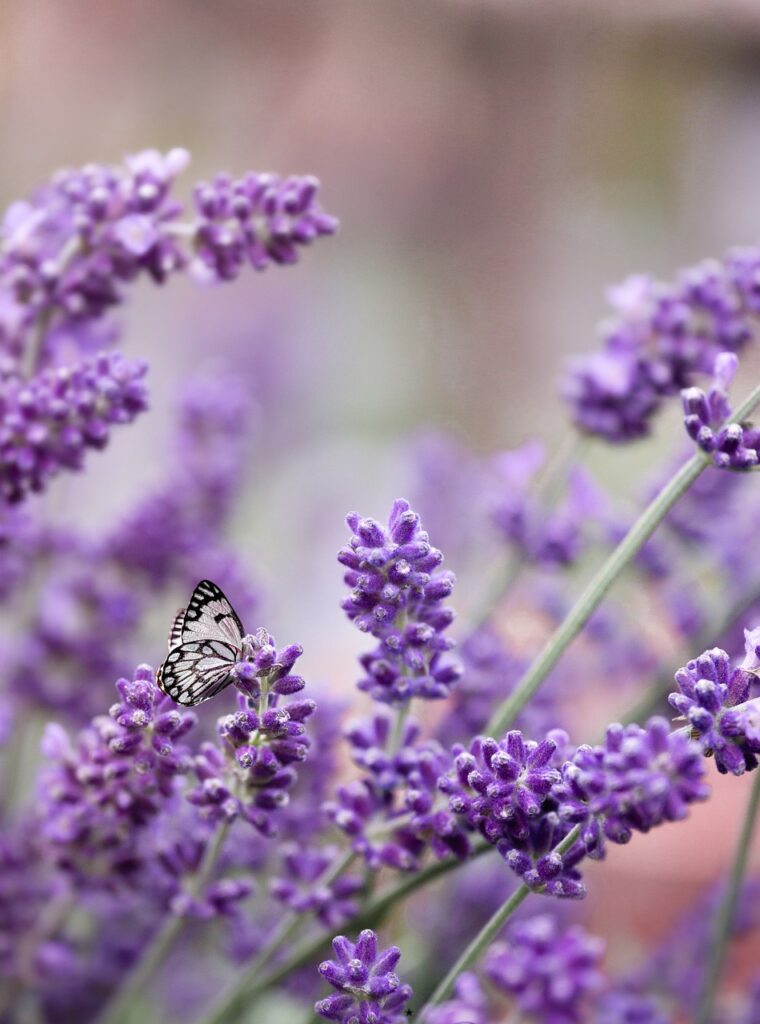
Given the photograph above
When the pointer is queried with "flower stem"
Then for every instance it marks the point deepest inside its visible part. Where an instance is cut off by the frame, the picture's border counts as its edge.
(124, 1001)
(727, 908)
(595, 592)
(488, 933)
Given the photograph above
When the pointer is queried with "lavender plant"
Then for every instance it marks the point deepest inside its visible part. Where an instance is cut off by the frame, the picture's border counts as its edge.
(167, 865)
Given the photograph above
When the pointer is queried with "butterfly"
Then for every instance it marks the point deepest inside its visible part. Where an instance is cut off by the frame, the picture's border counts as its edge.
(205, 643)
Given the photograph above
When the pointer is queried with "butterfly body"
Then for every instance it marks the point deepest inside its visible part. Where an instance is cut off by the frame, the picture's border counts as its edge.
(206, 642)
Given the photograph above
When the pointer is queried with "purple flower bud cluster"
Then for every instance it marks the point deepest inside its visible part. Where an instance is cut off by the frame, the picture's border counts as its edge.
(397, 595)
(368, 990)
(549, 537)
(299, 888)
(712, 697)
(659, 338)
(69, 251)
(48, 422)
(257, 220)
(619, 1006)
(99, 793)
(732, 445)
(394, 814)
(551, 972)
(637, 779)
(251, 771)
(505, 791)
(468, 1004)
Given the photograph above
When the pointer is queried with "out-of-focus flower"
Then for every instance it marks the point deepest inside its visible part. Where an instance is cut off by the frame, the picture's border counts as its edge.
(48, 422)
(468, 1004)
(257, 220)
(99, 793)
(660, 337)
(298, 889)
(550, 971)
(368, 989)
(397, 596)
(548, 536)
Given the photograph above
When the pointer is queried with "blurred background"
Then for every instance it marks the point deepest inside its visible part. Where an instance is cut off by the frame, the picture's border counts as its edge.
(495, 166)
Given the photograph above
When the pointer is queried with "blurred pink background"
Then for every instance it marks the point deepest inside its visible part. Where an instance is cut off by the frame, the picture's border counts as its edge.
(495, 166)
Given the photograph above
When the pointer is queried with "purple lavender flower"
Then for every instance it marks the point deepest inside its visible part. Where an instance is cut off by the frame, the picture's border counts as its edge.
(69, 251)
(638, 779)
(712, 698)
(49, 421)
(619, 1006)
(99, 793)
(732, 445)
(550, 971)
(302, 867)
(258, 220)
(368, 989)
(397, 596)
(499, 787)
(659, 338)
(250, 774)
(506, 791)
(549, 537)
(468, 1006)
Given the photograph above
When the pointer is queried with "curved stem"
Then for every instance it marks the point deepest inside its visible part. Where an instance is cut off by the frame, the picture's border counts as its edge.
(727, 908)
(488, 933)
(594, 593)
(118, 1009)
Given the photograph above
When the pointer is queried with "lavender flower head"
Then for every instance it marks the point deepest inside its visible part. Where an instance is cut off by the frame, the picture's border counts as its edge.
(368, 989)
(49, 421)
(712, 697)
(637, 779)
(99, 793)
(551, 972)
(731, 445)
(250, 773)
(398, 593)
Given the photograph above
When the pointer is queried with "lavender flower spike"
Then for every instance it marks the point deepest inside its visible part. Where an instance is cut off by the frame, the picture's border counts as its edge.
(368, 989)
(732, 445)
(712, 699)
(549, 971)
(398, 593)
(49, 421)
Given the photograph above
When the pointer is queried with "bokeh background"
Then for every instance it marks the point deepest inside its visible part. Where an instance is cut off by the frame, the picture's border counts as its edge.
(495, 166)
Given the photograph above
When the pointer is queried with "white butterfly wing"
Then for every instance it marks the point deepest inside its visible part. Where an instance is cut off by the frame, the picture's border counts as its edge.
(208, 616)
(197, 670)
(175, 633)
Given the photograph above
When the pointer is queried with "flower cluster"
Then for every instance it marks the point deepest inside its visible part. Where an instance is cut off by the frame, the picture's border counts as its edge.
(48, 422)
(368, 991)
(258, 220)
(659, 338)
(731, 445)
(637, 779)
(712, 697)
(548, 536)
(550, 971)
(250, 773)
(99, 793)
(397, 595)
(300, 887)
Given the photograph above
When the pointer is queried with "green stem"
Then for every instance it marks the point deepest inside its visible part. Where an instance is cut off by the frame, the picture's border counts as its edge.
(119, 1009)
(488, 933)
(727, 908)
(595, 592)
